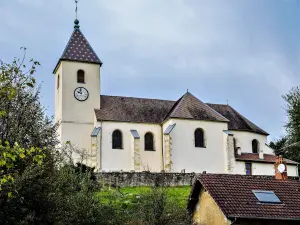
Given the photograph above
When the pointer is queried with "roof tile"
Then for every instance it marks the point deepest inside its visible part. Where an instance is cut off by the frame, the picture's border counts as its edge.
(237, 121)
(233, 194)
(254, 157)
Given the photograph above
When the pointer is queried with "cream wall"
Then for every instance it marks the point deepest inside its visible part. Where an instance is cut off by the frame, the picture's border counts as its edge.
(244, 140)
(262, 169)
(186, 156)
(122, 159)
(207, 212)
(76, 118)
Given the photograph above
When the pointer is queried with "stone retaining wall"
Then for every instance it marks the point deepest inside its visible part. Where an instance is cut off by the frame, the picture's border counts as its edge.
(122, 179)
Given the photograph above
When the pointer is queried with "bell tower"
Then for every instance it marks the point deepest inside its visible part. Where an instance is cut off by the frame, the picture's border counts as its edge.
(77, 90)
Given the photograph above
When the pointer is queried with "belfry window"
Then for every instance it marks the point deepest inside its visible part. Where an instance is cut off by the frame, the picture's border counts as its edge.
(255, 146)
(199, 138)
(117, 142)
(149, 143)
(80, 76)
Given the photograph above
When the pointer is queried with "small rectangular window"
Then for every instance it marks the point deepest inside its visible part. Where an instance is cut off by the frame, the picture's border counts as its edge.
(248, 167)
(58, 81)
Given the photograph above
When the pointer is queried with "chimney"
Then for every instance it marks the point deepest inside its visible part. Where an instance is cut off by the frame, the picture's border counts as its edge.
(280, 169)
(261, 154)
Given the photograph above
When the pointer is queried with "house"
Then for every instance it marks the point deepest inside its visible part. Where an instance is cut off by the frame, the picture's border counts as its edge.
(224, 199)
(126, 133)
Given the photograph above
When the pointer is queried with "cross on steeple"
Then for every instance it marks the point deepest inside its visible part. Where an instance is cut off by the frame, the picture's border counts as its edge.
(76, 9)
(76, 26)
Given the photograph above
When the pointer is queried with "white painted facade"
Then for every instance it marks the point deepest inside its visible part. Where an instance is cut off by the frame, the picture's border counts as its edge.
(244, 141)
(185, 156)
(263, 169)
(122, 159)
(77, 120)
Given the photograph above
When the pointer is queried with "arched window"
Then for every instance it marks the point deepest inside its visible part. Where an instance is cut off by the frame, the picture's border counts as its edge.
(117, 142)
(149, 143)
(255, 146)
(199, 138)
(80, 76)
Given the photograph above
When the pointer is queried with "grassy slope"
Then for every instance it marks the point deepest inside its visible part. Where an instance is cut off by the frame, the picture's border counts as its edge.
(131, 194)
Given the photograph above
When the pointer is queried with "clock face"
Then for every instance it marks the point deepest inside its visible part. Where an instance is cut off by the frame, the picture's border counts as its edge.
(81, 94)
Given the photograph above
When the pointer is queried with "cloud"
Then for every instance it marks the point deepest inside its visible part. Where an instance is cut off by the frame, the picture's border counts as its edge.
(209, 37)
(244, 51)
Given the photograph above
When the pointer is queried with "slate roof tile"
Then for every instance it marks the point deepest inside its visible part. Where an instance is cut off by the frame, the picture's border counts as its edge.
(144, 110)
(237, 121)
(190, 107)
(78, 49)
(127, 109)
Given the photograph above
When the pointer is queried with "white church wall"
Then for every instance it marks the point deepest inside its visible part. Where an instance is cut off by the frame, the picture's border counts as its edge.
(74, 110)
(262, 169)
(78, 135)
(244, 140)
(186, 156)
(122, 159)
(292, 170)
(77, 117)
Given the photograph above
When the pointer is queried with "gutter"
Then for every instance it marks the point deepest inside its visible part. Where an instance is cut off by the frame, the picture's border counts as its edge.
(100, 160)
(262, 218)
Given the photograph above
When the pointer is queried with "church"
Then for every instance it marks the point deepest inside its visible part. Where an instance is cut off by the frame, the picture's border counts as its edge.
(139, 134)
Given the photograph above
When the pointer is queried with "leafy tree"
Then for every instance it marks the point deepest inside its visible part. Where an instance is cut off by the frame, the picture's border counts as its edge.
(289, 146)
(278, 145)
(24, 130)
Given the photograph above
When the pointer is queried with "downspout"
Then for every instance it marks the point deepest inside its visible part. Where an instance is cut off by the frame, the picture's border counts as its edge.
(100, 160)
(162, 147)
(232, 222)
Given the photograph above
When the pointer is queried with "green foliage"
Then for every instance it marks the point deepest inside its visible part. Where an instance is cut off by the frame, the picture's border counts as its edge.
(10, 156)
(148, 205)
(22, 120)
(41, 185)
(289, 146)
(46, 195)
(293, 112)
(278, 145)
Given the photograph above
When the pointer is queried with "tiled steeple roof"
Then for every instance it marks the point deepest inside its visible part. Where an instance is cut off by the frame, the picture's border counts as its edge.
(78, 49)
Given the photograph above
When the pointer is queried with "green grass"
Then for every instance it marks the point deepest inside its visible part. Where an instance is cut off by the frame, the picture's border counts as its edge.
(130, 195)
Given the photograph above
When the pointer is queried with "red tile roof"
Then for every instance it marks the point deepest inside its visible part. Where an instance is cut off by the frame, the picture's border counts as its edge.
(233, 194)
(254, 157)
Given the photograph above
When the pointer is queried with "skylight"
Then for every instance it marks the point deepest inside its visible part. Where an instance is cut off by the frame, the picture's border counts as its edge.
(266, 197)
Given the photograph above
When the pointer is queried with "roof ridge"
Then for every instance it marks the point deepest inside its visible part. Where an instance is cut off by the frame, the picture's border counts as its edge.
(177, 104)
(90, 46)
(65, 49)
(118, 96)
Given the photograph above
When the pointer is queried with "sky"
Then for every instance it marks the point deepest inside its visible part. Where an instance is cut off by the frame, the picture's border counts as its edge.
(244, 52)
